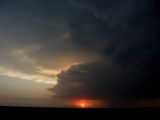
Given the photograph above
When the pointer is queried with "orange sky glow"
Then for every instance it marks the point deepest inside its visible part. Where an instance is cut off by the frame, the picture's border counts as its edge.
(83, 103)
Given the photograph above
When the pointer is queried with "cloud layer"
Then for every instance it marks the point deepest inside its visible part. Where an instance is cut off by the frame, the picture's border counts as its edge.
(125, 36)
(89, 49)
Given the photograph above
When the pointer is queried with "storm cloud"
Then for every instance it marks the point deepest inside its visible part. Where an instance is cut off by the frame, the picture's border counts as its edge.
(124, 35)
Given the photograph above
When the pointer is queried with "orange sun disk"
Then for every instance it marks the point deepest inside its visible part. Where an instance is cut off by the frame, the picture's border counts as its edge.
(83, 104)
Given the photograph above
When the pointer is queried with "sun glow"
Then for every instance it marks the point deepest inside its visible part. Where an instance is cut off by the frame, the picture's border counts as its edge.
(88, 103)
(83, 104)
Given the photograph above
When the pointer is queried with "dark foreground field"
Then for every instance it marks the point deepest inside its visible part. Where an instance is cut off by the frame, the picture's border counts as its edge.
(26, 112)
(10, 108)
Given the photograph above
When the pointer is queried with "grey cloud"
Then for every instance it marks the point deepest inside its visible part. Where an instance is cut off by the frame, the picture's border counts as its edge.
(125, 33)
(93, 34)
(21, 34)
(20, 28)
(97, 81)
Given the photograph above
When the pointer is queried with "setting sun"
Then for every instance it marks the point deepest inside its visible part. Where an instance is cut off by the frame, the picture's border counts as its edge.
(83, 105)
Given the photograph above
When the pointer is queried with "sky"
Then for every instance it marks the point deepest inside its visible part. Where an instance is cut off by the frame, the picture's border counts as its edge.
(79, 53)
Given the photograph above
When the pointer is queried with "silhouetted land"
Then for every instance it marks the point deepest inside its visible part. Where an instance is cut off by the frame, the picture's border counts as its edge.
(65, 113)
(54, 109)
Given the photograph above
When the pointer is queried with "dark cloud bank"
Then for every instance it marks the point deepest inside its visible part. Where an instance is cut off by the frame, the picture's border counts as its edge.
(125, 34)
